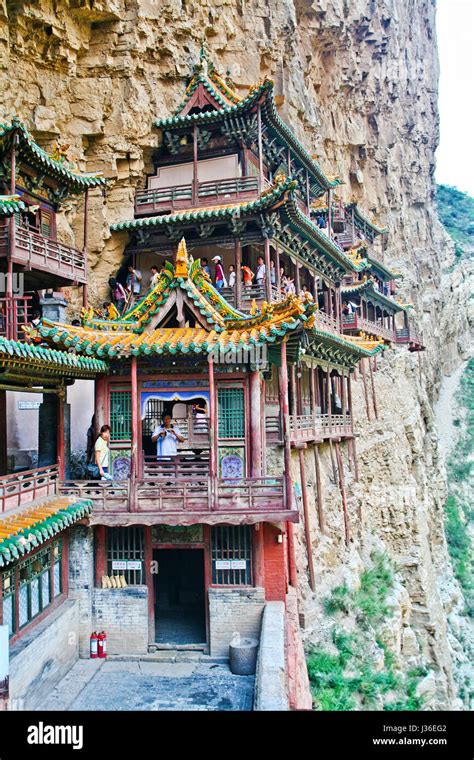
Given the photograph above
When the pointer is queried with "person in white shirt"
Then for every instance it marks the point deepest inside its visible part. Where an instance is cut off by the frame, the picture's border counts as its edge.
(167, 436)
(260, 273)
(231, 276)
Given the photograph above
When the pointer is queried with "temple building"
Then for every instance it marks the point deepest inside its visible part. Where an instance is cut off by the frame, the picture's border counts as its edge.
(209, 387)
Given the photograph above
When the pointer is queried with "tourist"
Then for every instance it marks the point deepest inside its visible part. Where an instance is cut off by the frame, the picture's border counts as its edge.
(119, 295)
(272, 273)
(102, 452)
(167, 436)
(154, 277)
(219, 279)
(289, 285)
(260, 274)
(90, 438)
(232, 276)
(134, 281)
(205, 266)
(248, 275)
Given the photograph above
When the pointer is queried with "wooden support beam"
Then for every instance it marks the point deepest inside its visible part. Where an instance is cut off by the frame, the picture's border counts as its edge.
(212, 421)
(238, 273)
(277, 268)
(342, 486)
(333, 462)
(100, 554)
(307, 526)
(134, 474)
(374, 396)
(255, 424)
(61, 441)
(84, 242)
(285, 421)
(366, 392)
(319, 491)
(268, 283)
(259, 555)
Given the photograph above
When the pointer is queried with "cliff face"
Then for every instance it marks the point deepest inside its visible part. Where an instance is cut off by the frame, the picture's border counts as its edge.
(360, 86)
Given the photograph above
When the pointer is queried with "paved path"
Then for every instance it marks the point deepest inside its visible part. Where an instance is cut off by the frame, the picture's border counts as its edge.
(147, 685)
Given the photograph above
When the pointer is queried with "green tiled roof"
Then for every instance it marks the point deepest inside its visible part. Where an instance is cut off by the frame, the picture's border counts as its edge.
(10, 204)
(362, 219)
(40, 356)
(389, 273)
(262, 93)
(367, 286)
(23, 540)
(62, 170)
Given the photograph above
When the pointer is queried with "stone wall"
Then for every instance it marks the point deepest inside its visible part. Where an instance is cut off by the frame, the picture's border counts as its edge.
(270, 679)
(123, 614)
(233, 610)
(43, 656)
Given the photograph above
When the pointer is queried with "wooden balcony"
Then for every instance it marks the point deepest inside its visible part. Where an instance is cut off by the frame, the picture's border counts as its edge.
(215, 192)
(15, 313)
(33, 251)
(355, 323)
(170, 500)
(410, 337)
(26, 487)
(309, 428)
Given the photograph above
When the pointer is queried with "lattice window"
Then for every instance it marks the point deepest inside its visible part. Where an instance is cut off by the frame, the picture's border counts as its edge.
(120, 415)
(231, 554)
(8, 598)
(154, 409)
(125, 553)
(231, 413)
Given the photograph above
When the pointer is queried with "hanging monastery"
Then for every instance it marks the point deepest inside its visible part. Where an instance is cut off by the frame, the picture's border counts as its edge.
(268, 367)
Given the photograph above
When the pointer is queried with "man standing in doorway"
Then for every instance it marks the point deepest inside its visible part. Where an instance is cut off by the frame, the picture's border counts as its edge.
(134, 281)
(167, 436)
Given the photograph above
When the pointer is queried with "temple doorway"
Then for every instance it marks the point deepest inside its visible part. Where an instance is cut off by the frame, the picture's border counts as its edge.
(180, 616)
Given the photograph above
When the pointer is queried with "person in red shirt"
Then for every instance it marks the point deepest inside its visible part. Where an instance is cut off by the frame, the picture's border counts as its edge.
(219, 279)
(248, 275)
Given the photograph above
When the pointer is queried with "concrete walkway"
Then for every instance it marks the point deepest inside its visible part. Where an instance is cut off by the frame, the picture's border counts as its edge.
(150, 685)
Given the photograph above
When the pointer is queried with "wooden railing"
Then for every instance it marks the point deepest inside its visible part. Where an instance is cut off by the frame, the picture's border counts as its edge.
(195, 432)
(198, 493)
(356, 322)
(15, 312)
(176, 468)
(326, 322)
(308, 427)
(409, 335)
(207, 193)
(35, 251)
(22, 488)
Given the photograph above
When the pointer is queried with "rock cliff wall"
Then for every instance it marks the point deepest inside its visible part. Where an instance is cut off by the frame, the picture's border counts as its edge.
(359, 81)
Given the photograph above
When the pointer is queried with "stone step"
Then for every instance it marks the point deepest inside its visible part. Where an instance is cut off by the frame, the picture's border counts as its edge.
(169, 655)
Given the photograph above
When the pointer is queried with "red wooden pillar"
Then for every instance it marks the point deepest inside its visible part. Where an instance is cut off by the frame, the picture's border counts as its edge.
(255, 424)
(307, 526)
(60, 434)
(238, 273)
(340, 467)
(366, 392)
(260, 148)
(259, 555)
(319, 491)
(3, 433)
(134, 452)
(100, 403)
(84, 244)
(268, 283)
(277, 269)
(297, 279)
(195, 166)
(285, 417)
(12, 221)
(374, 397)
(212, 421)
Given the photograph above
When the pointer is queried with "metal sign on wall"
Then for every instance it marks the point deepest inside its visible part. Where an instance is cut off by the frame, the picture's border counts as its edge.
(177, 534)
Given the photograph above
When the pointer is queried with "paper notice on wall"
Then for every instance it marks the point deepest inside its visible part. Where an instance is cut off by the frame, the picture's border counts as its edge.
(230, 564)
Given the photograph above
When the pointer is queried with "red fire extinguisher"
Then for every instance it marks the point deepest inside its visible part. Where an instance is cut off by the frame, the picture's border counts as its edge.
(94, 645)
(102, 644)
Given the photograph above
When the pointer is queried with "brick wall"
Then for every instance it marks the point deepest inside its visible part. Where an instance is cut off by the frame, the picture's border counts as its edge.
(274, 562)
(81, 580)
(230, 610)
(41, 657)
(123, 615)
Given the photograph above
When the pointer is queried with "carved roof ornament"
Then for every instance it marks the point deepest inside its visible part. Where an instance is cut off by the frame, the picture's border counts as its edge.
(182, 260)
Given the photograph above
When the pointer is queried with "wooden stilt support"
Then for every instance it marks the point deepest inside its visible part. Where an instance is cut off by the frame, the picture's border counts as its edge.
(366, 392)
(342, 486)
(374, 396)
(319, 490)
(259, 555)
(333, 462)
(307, 526)
(134, 425)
